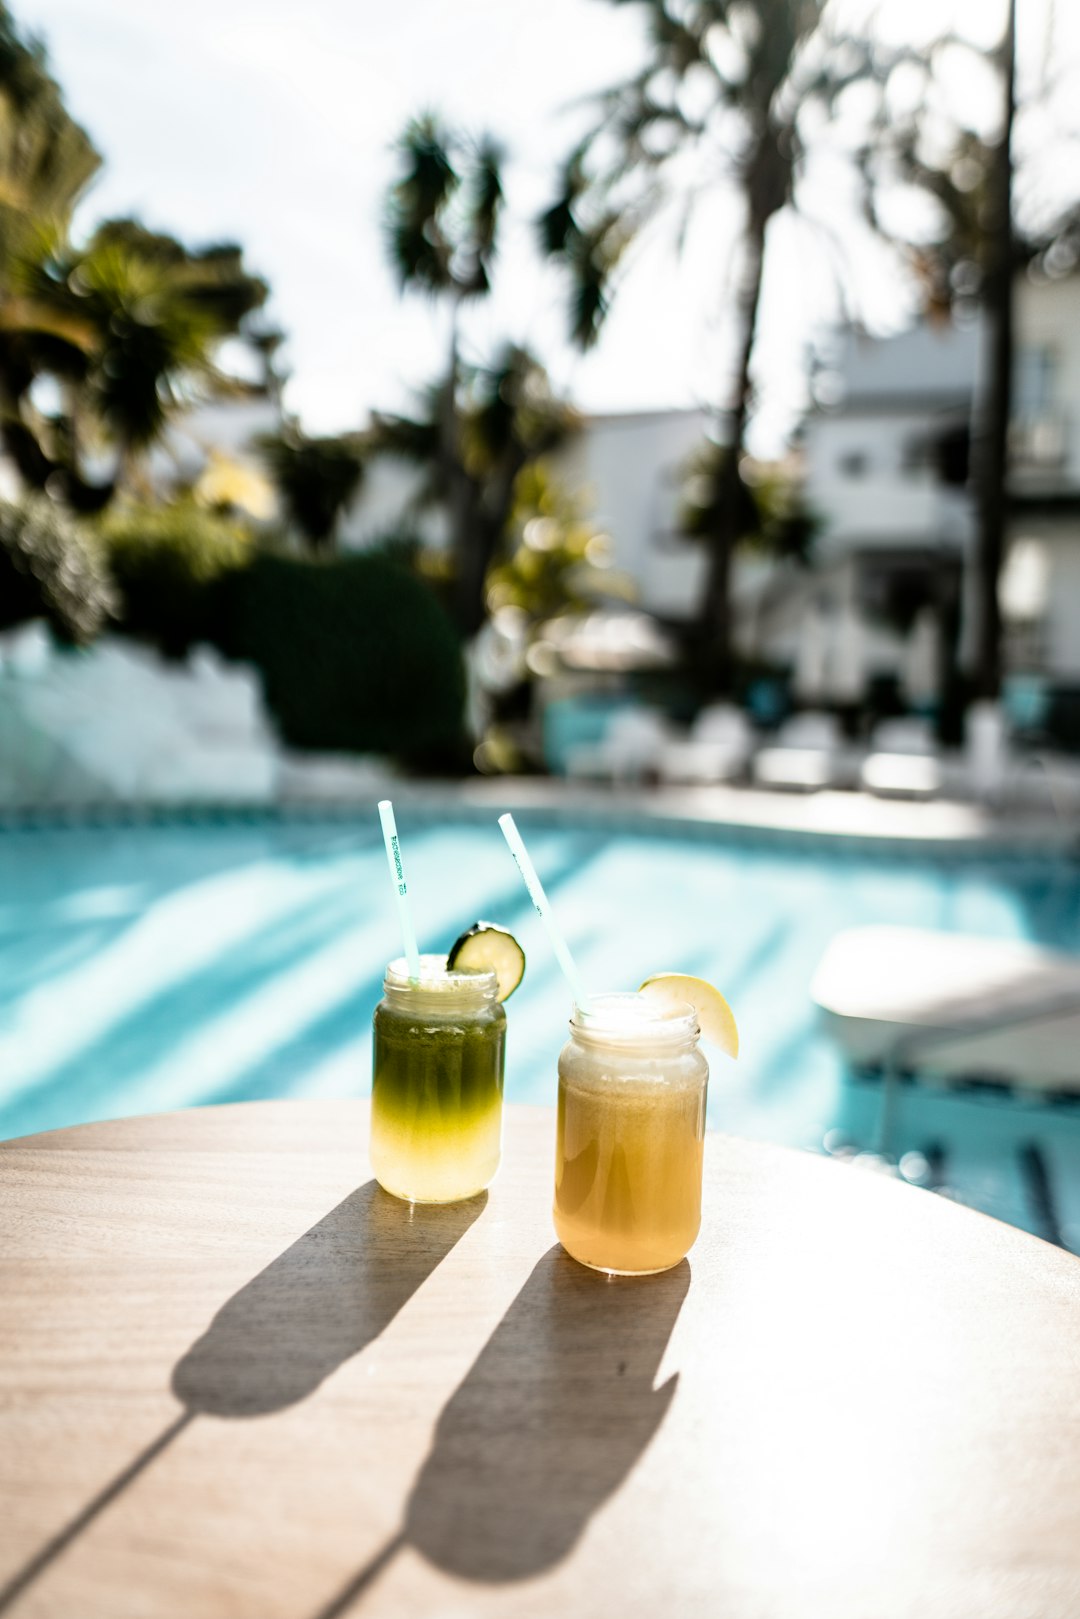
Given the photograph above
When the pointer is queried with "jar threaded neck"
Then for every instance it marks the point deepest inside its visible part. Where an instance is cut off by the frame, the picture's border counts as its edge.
(440, 989)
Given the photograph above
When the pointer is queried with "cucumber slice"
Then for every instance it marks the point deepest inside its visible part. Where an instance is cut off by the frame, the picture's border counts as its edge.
(486, 947)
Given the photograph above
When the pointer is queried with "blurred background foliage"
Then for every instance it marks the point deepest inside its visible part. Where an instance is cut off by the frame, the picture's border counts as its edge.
(557, 560)
(355, 653)
(104, 341)
(316, 479)
(771, 516)
(166, 559)
(51, 569)
(107, 339)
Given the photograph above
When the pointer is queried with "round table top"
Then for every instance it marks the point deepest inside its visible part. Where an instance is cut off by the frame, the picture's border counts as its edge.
(236, 1380)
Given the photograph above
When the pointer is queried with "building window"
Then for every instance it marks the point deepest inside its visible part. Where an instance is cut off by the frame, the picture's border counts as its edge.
(1037, 436)
(916, 454)
(854, 464)
(1033, 389)
(952, 455)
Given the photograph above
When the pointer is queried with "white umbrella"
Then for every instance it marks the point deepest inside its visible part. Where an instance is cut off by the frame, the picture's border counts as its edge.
(922, 658)
(811, 656)
(847, 658)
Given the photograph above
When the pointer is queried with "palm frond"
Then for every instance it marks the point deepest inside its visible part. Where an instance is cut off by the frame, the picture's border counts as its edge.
(316, 478)
(429, 178)
(486, 197)
(419, 250)
(413, 438)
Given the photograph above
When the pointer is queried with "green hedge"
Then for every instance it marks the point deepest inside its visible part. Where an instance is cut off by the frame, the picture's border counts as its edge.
(355, 654)
(166, 561)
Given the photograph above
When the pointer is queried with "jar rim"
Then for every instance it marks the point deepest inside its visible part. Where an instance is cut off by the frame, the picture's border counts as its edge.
(628, 1016)
(436, 978)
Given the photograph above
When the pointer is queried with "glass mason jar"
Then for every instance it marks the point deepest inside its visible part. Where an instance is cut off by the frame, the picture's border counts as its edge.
(631, 1131)
(437, 1082)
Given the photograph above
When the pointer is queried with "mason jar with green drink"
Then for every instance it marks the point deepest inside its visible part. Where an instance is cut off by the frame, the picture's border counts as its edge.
(438, 1057)
(437, 1080)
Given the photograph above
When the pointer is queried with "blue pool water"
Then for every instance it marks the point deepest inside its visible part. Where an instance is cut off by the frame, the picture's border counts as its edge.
(159, 966)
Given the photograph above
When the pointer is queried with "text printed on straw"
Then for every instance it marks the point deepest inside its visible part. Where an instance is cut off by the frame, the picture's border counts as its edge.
(397, 865)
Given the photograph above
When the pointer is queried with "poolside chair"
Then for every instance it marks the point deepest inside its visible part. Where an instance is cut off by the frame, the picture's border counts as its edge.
(718, 747)
(809, 752)
(953, 1007)
(903, 761)
(630, 749)
(995, 772)
(955, 1011)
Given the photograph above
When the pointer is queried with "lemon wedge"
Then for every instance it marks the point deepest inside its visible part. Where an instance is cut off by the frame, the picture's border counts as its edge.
(715, 1017)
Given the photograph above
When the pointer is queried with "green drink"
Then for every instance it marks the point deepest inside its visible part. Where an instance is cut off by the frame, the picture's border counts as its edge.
(437, 1082)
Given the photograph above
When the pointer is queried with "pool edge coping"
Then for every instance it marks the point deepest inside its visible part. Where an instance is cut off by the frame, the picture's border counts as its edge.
(941, 827)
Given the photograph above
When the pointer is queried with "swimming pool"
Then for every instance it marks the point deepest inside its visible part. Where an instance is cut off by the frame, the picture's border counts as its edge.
(154, 966)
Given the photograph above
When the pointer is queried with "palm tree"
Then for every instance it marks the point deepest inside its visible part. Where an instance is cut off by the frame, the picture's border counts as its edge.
(442, 233)
(993, 471)
(772, 515)
(316, 478)
(506, 418)
(128, 325)
(46, 162)
(148, 316)
(725, 99)
(160, 311)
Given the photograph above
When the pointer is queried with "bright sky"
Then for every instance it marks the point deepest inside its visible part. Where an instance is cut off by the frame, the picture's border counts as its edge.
(272, 124)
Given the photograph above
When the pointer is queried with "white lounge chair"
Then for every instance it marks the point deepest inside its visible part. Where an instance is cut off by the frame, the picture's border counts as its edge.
(994, 771)
(903, 761)
(630, 750)
(953, 1007)
(809, 752)
(718, 747)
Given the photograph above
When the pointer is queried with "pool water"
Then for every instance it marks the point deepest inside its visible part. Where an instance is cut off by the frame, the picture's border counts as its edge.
(160, 966)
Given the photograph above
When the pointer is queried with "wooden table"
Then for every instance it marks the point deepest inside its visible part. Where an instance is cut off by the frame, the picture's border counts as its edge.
(237, 1380)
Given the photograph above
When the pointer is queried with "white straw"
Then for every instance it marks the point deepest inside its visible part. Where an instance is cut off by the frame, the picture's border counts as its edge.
(543, 910)
(397, 877)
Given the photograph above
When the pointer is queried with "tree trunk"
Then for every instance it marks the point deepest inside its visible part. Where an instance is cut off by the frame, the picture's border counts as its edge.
(460, 505)
(489, 517)
(714, 623)
(994, 448)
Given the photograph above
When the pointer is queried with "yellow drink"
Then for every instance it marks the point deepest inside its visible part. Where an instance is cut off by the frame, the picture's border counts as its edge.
(437, 1083)
(630, 1136)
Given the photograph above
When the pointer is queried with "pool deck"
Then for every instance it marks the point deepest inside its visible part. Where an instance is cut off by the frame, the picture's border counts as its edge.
(851, 820)
(850, 817)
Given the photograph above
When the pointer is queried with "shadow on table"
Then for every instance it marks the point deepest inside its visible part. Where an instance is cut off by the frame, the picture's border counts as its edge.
(552, 1417)
(314, 1307)
(319, 1303)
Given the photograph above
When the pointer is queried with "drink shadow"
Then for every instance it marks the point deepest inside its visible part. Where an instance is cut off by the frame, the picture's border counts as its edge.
(548, 1423)
(315, 1306)
(319, 1303)
(552, 1417)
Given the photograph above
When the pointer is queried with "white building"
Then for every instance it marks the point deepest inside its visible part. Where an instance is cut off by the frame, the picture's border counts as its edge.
(886, 474)
(1041, 581)
(889, 479)
(630, 468)
(627, 468)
